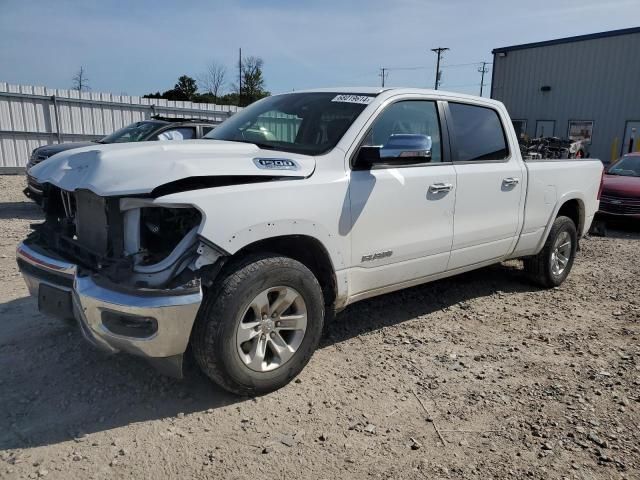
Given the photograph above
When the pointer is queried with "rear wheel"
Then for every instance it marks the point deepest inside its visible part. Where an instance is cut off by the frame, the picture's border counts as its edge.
(259, 324)
(552, 265)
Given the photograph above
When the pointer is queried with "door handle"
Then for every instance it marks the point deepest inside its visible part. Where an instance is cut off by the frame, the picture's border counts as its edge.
(510, 181)
(440, 187)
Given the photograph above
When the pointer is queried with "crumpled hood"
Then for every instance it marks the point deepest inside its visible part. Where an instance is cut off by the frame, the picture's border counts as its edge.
(137, 168)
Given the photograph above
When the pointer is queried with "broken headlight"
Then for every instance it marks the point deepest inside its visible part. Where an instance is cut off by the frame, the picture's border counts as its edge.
(162, 229)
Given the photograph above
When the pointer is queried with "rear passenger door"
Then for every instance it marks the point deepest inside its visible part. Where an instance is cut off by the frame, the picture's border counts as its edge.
(490, 185)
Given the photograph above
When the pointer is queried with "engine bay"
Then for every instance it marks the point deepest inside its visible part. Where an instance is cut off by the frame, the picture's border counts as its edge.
(129, 241)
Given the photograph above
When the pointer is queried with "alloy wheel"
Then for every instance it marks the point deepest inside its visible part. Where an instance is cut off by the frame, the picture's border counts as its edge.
(271, 328)
(561, 254)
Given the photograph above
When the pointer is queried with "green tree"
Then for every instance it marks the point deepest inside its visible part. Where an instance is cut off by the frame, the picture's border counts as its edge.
(186, 87)
(252, 80)
(253, 86)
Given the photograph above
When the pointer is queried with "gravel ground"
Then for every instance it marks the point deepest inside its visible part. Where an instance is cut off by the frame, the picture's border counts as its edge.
(480, 376)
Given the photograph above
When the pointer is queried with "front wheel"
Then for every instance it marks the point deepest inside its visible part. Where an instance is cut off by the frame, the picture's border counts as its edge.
(259, 324)
(552, 265)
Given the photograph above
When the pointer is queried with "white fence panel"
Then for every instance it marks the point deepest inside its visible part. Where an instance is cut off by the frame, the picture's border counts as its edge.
(29, 117)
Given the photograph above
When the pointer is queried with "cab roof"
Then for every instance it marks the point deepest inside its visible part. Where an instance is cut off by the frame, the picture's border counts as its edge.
(390, 91)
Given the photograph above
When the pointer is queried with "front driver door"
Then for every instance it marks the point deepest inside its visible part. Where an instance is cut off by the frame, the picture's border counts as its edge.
(402, 217)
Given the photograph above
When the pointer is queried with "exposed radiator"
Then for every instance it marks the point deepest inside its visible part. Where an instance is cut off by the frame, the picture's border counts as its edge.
(92, 228)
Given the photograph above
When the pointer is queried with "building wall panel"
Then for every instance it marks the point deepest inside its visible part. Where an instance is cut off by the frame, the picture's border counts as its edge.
(594, 80)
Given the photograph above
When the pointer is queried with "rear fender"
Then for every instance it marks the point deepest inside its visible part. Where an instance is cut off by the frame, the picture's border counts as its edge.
(573, 195)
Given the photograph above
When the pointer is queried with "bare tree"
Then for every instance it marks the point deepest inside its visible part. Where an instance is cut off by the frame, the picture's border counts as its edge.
(214, 79)
(80, 81)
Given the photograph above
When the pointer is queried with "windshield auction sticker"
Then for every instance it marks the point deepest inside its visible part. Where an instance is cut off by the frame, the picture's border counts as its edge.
(344, 98)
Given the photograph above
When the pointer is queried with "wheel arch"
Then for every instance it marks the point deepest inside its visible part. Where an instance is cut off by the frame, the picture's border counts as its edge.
(307, 250)
(571, 205)
(575, 210)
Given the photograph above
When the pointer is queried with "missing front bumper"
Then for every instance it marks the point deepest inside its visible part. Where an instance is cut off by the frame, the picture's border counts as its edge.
(171, 313)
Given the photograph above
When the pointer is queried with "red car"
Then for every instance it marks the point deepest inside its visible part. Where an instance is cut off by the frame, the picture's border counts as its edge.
(621, 188)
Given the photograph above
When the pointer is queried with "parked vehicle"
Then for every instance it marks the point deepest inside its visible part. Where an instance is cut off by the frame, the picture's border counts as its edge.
(158, 128)
(245, 243)
(621, 188)
(552, 147)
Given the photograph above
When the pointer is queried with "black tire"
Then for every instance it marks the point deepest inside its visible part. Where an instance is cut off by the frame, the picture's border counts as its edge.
(214, 334)
(539, 267)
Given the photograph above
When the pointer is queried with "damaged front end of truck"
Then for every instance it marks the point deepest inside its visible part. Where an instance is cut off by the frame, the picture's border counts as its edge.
(121, 252)
(130, 271)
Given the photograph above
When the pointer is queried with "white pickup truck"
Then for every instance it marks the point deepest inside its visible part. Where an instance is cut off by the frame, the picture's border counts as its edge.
(244, 244)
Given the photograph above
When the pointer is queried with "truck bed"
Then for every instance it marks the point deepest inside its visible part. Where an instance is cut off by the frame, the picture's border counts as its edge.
(549, 183)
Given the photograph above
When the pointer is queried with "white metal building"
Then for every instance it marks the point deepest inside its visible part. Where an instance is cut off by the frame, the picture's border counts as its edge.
(585, 87)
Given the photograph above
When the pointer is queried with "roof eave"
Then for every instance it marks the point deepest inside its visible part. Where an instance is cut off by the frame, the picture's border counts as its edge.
(560, 41)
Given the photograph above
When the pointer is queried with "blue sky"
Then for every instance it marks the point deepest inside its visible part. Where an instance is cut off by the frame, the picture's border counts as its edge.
(136, 47)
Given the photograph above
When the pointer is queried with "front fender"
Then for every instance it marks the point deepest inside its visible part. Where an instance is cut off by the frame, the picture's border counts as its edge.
(235, 217)
(278, 228)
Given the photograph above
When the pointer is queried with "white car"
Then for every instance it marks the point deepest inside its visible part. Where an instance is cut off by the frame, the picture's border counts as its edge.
(245, 243)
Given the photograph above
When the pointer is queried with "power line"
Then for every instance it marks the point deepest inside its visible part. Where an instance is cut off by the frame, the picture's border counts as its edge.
(363, 75)
(425, 67)
(480, 65)
(456, 65)
(409, 68)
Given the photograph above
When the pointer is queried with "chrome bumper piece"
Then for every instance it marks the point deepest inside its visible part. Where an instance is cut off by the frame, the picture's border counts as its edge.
(174, 314)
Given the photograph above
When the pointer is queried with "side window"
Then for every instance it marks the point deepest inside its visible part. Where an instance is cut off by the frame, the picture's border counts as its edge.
(413, 117)
(206, 129)
(477, 133)
(183, 133)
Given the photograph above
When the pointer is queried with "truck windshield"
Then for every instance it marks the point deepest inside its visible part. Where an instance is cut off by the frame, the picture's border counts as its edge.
(627, 166)
(307, 123)
(135, 132)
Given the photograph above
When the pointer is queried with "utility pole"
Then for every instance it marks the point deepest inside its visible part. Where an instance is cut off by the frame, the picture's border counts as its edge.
(383, 75)
(438, 51)
(483, 69)
(240, 78)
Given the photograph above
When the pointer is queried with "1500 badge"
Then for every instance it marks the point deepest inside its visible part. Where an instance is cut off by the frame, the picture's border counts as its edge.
(376, 256)
(275, 163)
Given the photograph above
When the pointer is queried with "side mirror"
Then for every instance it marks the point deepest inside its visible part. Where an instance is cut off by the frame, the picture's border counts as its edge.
(400, 149)
(407, 146)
